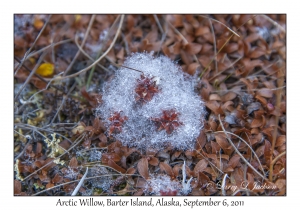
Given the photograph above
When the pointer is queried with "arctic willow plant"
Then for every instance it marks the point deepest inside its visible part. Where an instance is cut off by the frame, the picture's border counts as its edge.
(156, 107)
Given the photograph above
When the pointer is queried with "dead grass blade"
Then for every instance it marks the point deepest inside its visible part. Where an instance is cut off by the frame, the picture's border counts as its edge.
(100, 58)
(221, 24)
(257, 158)
(82, 44)
(28, 51)
(80, 183)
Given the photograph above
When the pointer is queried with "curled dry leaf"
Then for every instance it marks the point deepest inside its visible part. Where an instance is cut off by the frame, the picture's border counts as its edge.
(215, 107)
(112, 164)
(267, 151)
(280, 141)
(130, 171)
(265, 92)
(224, 144)
(200, 166)
(167, 168)
(234, 161)
(153, 161)
(73, 162)
(142, 167)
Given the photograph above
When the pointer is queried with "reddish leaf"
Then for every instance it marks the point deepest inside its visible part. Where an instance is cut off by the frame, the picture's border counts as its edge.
(168, 169)
(142, 167)
(110, 156)
(130, 171)
(17, 187)
(256, 123)
(192, 68)
(234, 161)
(73, 162)
(224, 144)
(49, 185)
(229, 96)
(200, 166)
(193, 48)
(153, 161)
(215, 107)
(280, 141)
(267, 151)
(281, 185)
(256, 53)
(265, 92)
(57, 179)
(202, 179)
(202, 30)
(112, 164)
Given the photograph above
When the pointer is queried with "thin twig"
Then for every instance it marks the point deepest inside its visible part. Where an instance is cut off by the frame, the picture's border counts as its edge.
(87, 55)
(274, 23)
(45, 48)
(183, 38)
(99, 59)
(30, 75)
(82, 44)
(277, 157)
(82, 137)
(94, 177)
(62, 103)
(257, 158)
(38, 76)
(272, 164)
(28, 51)
(99, 52)
(238, 152)
(221, 24)
(233, 33)
(158, 24)
(215, 46)
(80, 183)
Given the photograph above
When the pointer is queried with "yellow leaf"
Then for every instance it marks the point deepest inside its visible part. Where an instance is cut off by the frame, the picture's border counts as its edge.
(77, 18)
(38, 24)
(45, 69)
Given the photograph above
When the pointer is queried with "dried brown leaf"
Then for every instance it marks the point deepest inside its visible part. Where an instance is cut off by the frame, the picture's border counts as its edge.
(267, 151)
(202, 30)
(167, 168)
(130, 171)
(214, 97)
(73, 162)
(215, 107)
(57, 179)
(280, 140)
(17, 187)
(192, 68)
(193, 48)
(142, 167)
(153, 161)
(234, 161)
(112, 164)
(224, 144)
(265, 92)
(229, 96)
(200, 166)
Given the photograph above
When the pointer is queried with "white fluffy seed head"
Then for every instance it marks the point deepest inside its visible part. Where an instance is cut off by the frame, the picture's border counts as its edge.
(176, 92)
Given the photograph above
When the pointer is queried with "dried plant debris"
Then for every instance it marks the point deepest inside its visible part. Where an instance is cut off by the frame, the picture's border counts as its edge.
(175, 104)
